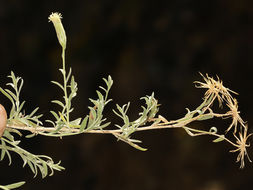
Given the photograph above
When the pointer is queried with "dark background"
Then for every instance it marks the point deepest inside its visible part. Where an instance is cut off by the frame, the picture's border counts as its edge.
(145, 47)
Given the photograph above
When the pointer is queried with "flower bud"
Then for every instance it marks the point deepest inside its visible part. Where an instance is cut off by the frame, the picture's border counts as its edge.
(3, 119)
(55, 18)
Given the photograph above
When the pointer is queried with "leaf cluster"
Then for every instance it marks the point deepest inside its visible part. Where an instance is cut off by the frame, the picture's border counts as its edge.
(16, 115)
(44, 164)
(69, 88)
(129, 127)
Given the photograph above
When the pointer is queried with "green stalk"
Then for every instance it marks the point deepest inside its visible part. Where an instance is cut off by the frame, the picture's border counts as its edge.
(65, 85)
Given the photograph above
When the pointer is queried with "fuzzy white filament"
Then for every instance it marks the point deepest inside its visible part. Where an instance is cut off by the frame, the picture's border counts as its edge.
(55, 18)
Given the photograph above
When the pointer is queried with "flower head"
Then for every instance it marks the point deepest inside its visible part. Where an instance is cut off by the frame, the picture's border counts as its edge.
(241, 146)
(55, 18)
(214, 88)
(235, 114)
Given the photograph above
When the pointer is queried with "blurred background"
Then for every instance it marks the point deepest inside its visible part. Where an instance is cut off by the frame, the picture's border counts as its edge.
(146, 46)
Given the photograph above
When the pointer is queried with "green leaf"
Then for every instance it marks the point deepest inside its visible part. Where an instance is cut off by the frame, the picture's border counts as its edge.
(73, 84)
(15, 185)
(205, 117)
(62, 71)
(93, 112)
(20, 107)
(103, 88)
(8, 135)
(20, 85)
(55, 115)
(221, 138)
(84, 123)
(30, 135)
(69, 74)
(100, 96)
(58, 102)
(129, 142)
(62, 117)
(43, 170)
(11, 93)
(7, 95)
(108, 82)
(32, 166)
(12, 112)
(3, 150)
(76, 121)
(104, 125)
(34, 111)
(58, 84)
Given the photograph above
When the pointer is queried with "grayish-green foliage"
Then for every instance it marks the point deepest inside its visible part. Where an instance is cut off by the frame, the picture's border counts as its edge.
(63, 124)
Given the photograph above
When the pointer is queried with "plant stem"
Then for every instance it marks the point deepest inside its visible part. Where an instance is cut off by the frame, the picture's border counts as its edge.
(65, 85)
(201, 132)
(41, 130)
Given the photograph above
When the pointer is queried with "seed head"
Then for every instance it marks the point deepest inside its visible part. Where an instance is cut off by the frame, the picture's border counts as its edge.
(234, 113)
(216, 88)
(241, 146)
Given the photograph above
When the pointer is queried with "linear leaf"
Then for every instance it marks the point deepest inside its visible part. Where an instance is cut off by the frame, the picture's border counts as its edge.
(69, 74)
(100, 96)
(205, 117)
(55, 115)
(84, 123)
(11, 93)
(58, 84)
(58, 102)
(3, 150)
(221, 138)
(7, 95)
(33, 112)
(33, 168)
(15, 185)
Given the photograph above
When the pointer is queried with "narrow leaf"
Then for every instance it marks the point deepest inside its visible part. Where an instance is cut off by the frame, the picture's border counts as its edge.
(33, 112)
(11, 93)
(205, 117)
(100, 96)
(58, 102)
(15, 185)
(30, 135)
(7, 95)
(221, 138)
(58, 84)
(84, 123)
(3, 150)
(69, 74)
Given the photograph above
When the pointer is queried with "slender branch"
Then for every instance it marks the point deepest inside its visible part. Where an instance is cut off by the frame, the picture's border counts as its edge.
(65, 84)
(201, 132)
(42, 129)
(161, 125)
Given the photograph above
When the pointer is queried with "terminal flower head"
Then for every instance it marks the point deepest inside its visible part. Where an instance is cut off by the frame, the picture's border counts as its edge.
(55, 18)
(241, 146)
(214, 88)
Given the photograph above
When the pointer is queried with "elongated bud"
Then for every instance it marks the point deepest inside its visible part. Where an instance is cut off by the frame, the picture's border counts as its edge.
(55, 18)
(3, 119)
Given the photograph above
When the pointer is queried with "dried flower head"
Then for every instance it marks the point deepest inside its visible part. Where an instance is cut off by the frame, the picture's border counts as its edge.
(215, 88)
(55, 18)
(241, 146)
(235, 114)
